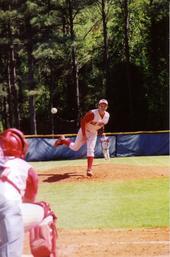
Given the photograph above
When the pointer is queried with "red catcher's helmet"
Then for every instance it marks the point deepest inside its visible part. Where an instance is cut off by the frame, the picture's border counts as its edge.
(13, 143)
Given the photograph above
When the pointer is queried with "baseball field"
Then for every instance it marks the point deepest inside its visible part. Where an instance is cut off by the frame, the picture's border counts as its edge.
(122, 211)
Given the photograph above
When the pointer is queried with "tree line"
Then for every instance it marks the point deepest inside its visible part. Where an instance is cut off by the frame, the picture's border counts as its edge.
(70, 53)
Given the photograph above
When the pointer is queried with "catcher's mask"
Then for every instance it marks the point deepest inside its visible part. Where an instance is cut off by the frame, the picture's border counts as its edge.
(13, 143)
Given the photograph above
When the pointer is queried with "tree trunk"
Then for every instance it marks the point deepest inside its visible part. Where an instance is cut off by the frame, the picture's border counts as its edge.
(105, 46)
(9, 118)
(12, 82)
(53, 95)
(7, 103)
(75, 71)
(14, 89)
(12, 105)
(31, 82)
(127, 60)
(12, 108)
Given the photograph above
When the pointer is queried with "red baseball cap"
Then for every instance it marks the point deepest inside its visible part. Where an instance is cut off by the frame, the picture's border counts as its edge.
(103, 101)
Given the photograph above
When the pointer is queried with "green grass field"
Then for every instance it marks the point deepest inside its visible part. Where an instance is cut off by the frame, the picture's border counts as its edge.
(109, 204)
(141, 161)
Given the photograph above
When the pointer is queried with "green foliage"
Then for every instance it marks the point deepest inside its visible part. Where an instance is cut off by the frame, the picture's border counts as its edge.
(43, 32)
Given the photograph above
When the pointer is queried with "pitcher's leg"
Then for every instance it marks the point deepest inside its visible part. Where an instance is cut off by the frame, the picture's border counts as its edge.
(75, 146)
(91, 142)
(80, 140)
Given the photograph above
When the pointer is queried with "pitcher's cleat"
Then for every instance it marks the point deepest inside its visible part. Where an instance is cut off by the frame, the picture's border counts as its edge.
(89, 173)
(60, 141)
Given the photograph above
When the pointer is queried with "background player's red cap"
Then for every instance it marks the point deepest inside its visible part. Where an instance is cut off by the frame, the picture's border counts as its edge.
(103, 101)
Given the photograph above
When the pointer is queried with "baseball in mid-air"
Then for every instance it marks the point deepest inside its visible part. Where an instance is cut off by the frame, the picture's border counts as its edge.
(54, 110)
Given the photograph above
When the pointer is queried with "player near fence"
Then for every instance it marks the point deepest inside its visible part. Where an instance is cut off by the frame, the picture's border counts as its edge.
(18, 209)
(105, 143)
(92, 122)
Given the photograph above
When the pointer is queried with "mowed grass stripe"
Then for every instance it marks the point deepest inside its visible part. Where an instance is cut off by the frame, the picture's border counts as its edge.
(113, 204)
(163, 161)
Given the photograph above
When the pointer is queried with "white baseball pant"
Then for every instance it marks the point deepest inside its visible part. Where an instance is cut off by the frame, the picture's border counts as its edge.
(80, 141)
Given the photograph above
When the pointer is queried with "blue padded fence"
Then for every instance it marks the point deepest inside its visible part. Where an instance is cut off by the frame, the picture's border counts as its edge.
(121, 144)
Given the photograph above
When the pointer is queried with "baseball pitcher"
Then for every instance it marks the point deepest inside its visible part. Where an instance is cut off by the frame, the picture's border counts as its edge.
(91, 123)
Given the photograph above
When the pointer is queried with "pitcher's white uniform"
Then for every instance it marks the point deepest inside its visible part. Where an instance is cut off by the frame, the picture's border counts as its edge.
(91, 132)
(90, 124)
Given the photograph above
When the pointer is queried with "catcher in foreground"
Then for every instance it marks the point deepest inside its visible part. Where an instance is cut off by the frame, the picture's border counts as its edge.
(18, 209)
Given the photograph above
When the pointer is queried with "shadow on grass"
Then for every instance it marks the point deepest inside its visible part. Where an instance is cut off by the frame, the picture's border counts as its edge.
(57, 177)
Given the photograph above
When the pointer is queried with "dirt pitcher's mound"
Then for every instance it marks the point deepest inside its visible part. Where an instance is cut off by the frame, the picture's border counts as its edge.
(103, 172)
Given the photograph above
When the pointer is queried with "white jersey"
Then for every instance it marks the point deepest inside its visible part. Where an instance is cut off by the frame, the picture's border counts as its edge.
(16, 171)
(105, 142)
(94, 126)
